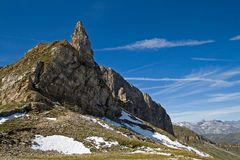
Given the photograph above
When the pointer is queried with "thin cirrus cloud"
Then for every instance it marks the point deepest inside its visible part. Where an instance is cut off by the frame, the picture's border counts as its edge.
(190, 79)
(204, 114)
(213, 99)
(201, 81)
(221, 97)
(203, 86)
(211, 59)
(156, 43)
(215, 87)
(235, 38)
(140, 68)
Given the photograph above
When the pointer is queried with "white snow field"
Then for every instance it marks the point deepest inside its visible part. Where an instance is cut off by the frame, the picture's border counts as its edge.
(60, 144)
(13, 116)
(129, 117)
(149, 150)
(101, 143)
(162, 139)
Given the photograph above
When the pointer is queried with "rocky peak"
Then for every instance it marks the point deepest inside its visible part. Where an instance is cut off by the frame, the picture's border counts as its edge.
(81, 42)
(66, 73)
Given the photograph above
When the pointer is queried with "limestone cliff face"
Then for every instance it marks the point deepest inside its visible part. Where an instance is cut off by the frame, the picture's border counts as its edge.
(138, 103)
(59, 72)
(61, 77)
(66, 73)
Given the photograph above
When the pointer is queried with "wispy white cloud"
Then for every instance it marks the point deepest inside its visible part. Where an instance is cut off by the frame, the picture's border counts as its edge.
(140, 68)
(211, 59)
(152, 88)
(222, 97)
(190, 79)
(205, 88)
(156, 43)
(197, 82)
(232, 72)
(204, 114)
(215, 99)
(235, 38)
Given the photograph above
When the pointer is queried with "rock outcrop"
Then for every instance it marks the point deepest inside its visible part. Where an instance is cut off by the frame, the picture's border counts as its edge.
(65, 73)
(81, 43)
(139, 104)
(59, 75)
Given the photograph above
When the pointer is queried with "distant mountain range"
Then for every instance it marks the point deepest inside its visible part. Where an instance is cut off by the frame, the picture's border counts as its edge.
(231, 138)
(225, 134)
(212, 127)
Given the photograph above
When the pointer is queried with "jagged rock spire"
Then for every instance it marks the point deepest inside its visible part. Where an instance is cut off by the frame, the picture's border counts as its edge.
(81, 42)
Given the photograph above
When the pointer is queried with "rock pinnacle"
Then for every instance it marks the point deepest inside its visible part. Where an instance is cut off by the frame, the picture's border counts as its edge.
(81, 42)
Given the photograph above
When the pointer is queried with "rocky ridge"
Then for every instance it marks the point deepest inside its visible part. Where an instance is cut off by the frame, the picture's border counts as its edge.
(212, 127)
(63, 73)
(139, 104)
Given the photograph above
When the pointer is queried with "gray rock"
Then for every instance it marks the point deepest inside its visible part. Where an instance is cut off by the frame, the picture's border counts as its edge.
(69, 80)
(81, 43)
(139, 104)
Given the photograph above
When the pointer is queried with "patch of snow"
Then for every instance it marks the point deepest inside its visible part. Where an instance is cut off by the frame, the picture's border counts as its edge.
(13, 116)
(129, 117)
(167, 141)
(112, 122)
(94, 120)
(164, 140)
(51, 119)
(148, 150)
(139, 151)
(175, 144)
(104, 125)
(60, 144)
(101, 143)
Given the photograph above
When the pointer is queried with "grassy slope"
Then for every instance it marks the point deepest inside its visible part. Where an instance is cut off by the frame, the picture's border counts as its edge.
(199, 142)
(71, 124)
(233, 138)
(230, 142)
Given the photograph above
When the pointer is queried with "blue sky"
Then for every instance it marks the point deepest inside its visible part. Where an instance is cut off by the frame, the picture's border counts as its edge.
(185, 54)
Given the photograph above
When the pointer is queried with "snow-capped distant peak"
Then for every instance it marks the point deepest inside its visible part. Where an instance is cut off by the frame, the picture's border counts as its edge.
(212, 127)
